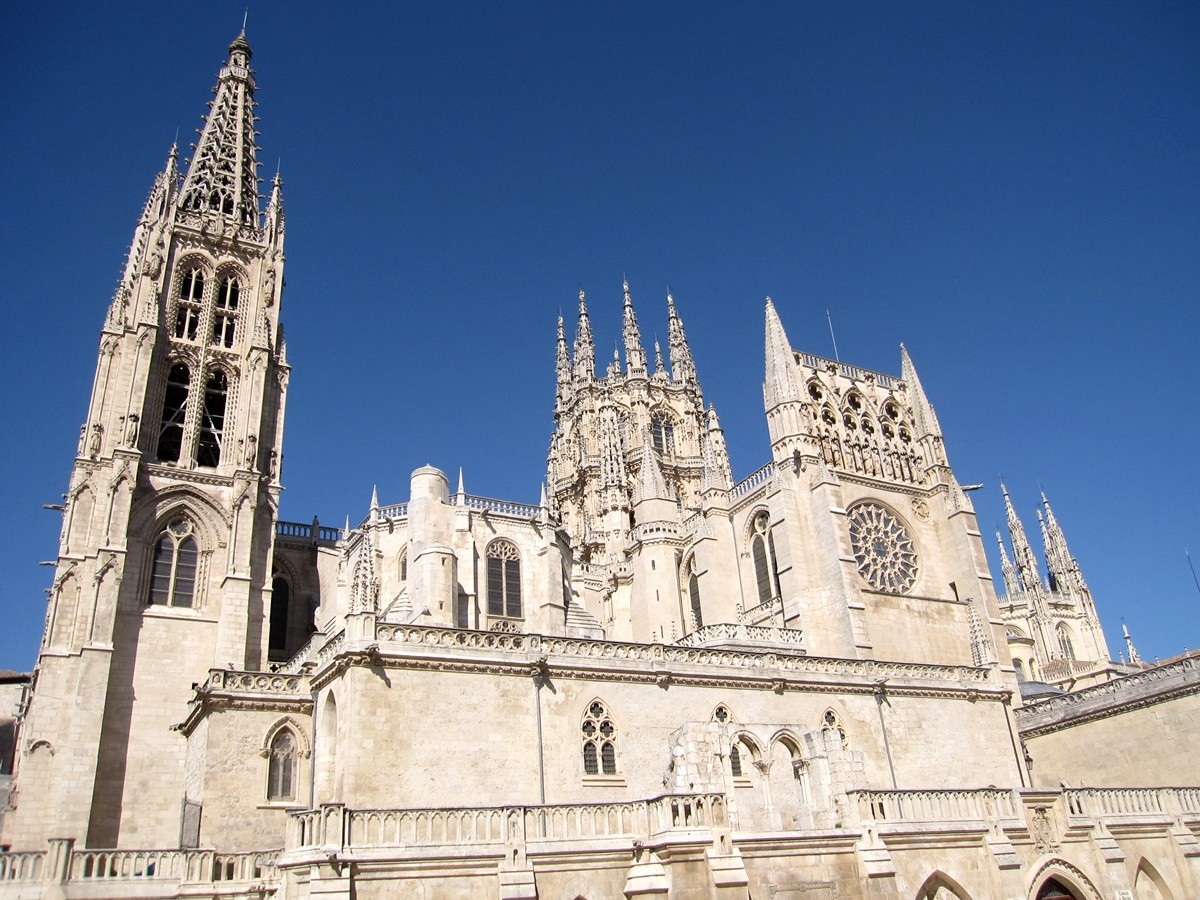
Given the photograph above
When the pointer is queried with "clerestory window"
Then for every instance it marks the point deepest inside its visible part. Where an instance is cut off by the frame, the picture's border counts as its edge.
(225, 316)
(281, 768)
(175, 399)
(504, 580)
(189, 304)
(766, 563)
(212, 421)
(599, 735)
(173, 569)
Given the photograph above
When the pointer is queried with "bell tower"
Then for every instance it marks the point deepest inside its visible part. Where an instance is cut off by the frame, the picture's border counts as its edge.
(164, 563)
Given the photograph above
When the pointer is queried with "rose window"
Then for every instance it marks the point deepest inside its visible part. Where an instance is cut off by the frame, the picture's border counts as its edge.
(883, 550)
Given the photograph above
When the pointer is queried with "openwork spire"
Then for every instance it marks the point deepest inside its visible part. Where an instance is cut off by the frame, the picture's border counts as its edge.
(223, 175)
(585, 345)
(1012, 586)
(562, 359)
(364, 588)
(635, 354)
(682, 366)
(1026, 562)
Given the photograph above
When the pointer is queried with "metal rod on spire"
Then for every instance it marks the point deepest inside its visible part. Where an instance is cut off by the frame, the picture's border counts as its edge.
(832, 338)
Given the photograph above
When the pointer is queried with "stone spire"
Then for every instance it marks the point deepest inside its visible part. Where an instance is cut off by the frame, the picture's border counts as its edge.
(780, 385)
(1026, 562)
(364, 588)
(1061, 566)
(585, 345)
(562, 360)
(682, 366)
(1012, 586)
(715, 452)
(1135, 658)
(635, 354)
(223, 175)
(166, 186)
(275, 218)
(924, 418)
(650, 483)
(659, 368)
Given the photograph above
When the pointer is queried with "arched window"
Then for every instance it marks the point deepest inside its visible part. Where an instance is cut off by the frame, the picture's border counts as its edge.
(225, 319)
(832, 725)
(1020, 669)
(175, 399)
(212, 423)
(735, 760)
(662, 433)
(1064, 642)
(599, 741)
(277, 636)
(766, 564)
(693, 591)
(281, 767)
(504, 580)
(173, 570)
(189, 304)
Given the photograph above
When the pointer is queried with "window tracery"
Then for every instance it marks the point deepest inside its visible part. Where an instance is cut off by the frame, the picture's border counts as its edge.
(173, 567)
(832, 725)
(212, 421)
(662, 434)
(883, 550)
(504, 579)
(1065, 645)
(599, 735)
(174, 411)
(225, 314)
(189, 304)
(766, 563)
(281, 767)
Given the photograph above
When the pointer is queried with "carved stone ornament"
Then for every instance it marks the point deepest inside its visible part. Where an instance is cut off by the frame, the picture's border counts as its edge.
(920, 508)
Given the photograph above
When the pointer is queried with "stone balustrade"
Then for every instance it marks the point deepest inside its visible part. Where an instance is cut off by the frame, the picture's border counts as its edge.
(233, 681)
(979, 805)
(22, 867)
(751, 481)
(730, 633)
(854, 373)
(1137, 803)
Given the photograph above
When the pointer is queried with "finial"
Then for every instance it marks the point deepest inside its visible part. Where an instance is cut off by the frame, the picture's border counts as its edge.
(374, 496)
(461, 489)
(582, 302)
(245, 17)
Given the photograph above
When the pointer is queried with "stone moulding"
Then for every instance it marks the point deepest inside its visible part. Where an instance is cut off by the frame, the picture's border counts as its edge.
(423, 647)
(1141, 689)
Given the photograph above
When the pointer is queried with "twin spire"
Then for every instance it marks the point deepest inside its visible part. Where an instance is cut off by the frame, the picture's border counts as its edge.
(584, 355)
(1021, 573)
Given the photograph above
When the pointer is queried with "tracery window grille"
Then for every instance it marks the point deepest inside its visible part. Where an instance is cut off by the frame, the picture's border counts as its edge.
(281, 767)
(189, 305)
(693, 590)
(662, 434)
(225, 317)
(175, 399)
(883, 550)
(599, 741)
(721, 714)
(504, 580)
(212, 422)
(173, 569)
(1064, 642)
(766, 563)
(832, 725)
(735, 760)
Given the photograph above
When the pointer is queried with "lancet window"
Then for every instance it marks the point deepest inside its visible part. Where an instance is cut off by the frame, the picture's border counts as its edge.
(175, 399)
(212, 422)
(693, 592)
(281, 767)
(832, 725)
(173, 568)
(766, 563)
(1064, 642)
(662, 434)
(225, 315)
(504, 580)
(599, 735)
(189, 305)
(281, 598)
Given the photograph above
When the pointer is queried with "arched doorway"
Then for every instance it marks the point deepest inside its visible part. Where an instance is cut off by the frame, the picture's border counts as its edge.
(1053, 889)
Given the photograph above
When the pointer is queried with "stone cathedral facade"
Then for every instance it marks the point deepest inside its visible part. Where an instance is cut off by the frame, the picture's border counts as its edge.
(656, 682)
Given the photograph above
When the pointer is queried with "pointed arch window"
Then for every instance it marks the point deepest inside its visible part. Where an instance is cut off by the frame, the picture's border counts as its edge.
(225, 317)
(175, 399)
(173, 569)
(766, 563)
(735, 760)
(504, 580)
(212, 422)
(662, 434)
(599, 735)
(693, 592)
(281, 767)
(1064, 642)
(832, 725)
(189, 304)
(281, 607)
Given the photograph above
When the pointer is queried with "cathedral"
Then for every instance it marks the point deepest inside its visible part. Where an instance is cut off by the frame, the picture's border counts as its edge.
(657, 682)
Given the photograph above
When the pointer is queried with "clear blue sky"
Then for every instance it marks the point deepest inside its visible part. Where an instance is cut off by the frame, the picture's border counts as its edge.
(1010, 189)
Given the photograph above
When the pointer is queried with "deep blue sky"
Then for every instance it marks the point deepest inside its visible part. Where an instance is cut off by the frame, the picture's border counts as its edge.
(1010, 189)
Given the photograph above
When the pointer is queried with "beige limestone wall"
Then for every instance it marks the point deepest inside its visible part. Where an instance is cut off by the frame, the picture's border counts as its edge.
(1150, 746)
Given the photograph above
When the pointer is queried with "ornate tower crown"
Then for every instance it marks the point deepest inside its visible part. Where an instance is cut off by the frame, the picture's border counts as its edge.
(223, 176)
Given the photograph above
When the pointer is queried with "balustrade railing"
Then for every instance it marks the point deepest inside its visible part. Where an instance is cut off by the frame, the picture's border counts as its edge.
(854, 373)
(503, 507)
(729, 632)
(985, 804)
(1134, 802)
(753, 480)
(304, 531)
(24, 866)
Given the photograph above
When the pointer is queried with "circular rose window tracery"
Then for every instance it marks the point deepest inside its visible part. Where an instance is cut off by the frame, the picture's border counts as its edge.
(883, 550)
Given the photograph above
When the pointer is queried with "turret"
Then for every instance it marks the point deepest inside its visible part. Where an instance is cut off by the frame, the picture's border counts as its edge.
(585, 345)
(635, 355)
(682, 367)
(562, 364)
(781, 389)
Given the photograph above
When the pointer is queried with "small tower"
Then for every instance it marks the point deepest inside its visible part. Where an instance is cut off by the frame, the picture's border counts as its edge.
(166, 554)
